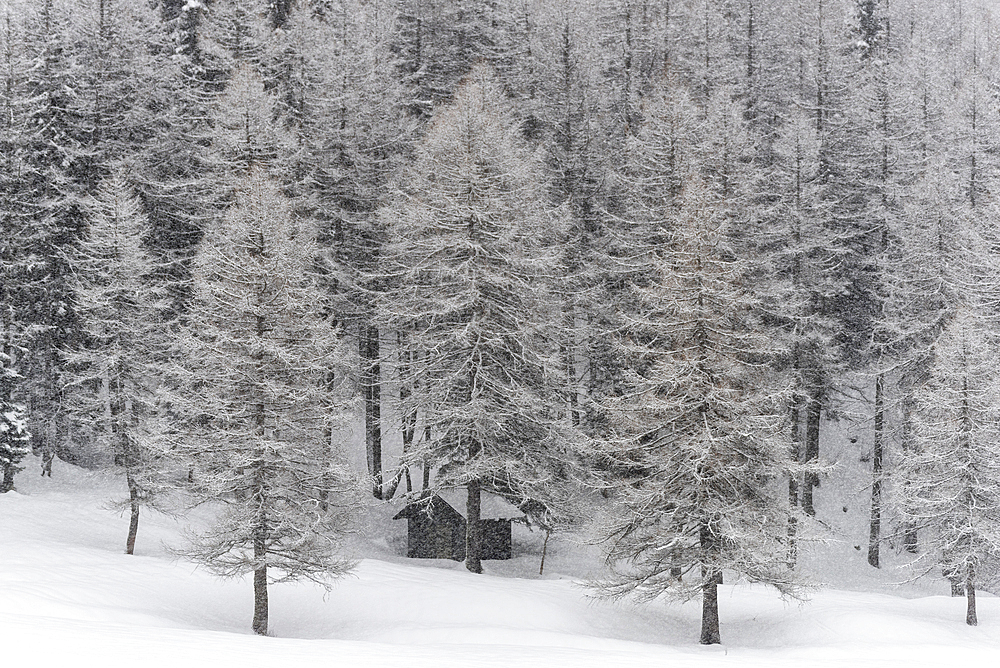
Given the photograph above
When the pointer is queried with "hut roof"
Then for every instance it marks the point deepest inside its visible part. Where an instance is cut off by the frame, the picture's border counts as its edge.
(493, 507)
(432, 506)
(445, 503)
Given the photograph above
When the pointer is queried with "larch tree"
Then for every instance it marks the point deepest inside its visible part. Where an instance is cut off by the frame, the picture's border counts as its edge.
(259, 388)
(953, 479)
(340, 95)
(112, 373)
(467, 261)
(698, 437)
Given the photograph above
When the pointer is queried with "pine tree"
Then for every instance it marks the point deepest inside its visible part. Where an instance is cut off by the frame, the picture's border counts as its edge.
(954, 477)
(468, 265)
(111, 376)
(254, 392)
(698, 438)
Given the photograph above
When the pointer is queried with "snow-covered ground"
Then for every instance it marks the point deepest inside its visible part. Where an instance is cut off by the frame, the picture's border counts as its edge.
(69, 596)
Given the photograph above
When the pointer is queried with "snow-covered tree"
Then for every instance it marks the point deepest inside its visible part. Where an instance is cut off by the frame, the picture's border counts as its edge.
(13, 425)
(953, 479)
(468, 262)
(697, 439)
(246, 133)
(342, 97)
(111, 376)
(259, 391)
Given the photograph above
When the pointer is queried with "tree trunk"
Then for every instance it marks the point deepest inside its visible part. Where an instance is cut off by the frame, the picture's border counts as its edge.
(875, 527)
(710, 589)
(970, 597)
(911, 542)
(368, 343)
(133, 502)
(814, 411)
(425, 482)
(710, 610)
(473, 536)
(9, 470)
(260, 586)
(545, 549)
(793, 485)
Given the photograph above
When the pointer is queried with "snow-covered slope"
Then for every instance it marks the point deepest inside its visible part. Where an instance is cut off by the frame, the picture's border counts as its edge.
(69, 596)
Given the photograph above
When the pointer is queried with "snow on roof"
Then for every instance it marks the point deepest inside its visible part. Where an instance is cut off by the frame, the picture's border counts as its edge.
(493, 506)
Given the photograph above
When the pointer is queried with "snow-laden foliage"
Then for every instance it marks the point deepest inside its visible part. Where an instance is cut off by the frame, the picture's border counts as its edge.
(14, 433)
(259, 392)
(952, 489)
(698, 437)
(469, 263)
(112, 375)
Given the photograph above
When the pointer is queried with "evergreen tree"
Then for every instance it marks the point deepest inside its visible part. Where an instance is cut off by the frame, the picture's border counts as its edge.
(14, 434)
(954, 476)
(254, 392)
(16, 258)
(45, 139)
(468, 265)
(698, 438)
(341, 97)
(112, 374)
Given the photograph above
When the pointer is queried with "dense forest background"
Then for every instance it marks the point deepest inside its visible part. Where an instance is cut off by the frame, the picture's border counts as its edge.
(639, 246)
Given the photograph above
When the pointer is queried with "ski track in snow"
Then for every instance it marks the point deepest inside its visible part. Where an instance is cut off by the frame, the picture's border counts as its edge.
(68, 594)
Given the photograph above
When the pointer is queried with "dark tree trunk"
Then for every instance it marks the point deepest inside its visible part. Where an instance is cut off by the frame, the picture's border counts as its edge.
(970, 597)
(710, 610)
(9, 470)
(260, 586)
(793, 485)
(133, 502)
(710, 589)
(545, 549)
(473, 537)
(368, 343)
(875, 527)
(911, 542)
(814, 411)
(425, 482)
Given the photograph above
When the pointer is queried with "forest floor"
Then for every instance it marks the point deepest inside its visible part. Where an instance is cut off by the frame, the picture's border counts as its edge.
(69, 596)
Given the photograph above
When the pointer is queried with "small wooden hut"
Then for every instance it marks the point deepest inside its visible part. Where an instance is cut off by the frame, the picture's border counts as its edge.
(435, 530)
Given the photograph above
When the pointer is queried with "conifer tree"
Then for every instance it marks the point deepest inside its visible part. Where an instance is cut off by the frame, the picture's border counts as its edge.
(340, 96)
(468, 263)
(953, 479)
(111, 375)
(698, 437)
(254, 393)
(14, 433)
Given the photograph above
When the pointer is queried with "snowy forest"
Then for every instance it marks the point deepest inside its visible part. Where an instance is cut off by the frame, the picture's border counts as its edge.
(620, 263)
